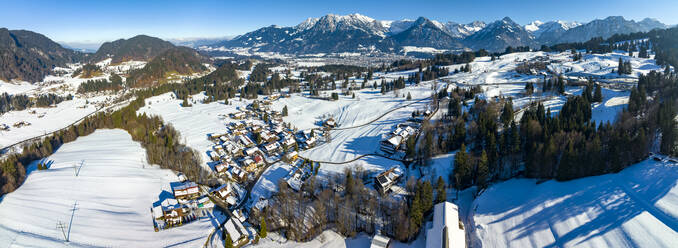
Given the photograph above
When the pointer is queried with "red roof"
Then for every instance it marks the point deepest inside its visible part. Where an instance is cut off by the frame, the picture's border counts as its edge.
(257, 159)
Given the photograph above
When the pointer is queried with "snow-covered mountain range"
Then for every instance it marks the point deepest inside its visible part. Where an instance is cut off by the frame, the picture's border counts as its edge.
(356, 32)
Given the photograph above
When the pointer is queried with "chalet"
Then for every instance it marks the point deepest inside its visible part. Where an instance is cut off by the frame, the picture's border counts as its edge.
(238, 115)
(170, 212)
(392, 144)
(278, 129)
(239, 124)
(256, 128)
(379, 241)
(221, 169)
(248, 164)
(232, 148)
(272, 147)
(236, 231)
(310, 142)
(226, 193)
(385, 180)
(291, 156)
(268, 137)
(245, 141)
(447, 229)
(330, 123)
(251, 151)
(236, 173)
(186, 191)
(289, 142)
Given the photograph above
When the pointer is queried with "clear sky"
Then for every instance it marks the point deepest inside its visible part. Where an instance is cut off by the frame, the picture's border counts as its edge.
(98, 21)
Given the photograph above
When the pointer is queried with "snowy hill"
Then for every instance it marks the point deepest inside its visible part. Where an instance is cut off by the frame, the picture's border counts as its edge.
(637, 207)
(112, 195)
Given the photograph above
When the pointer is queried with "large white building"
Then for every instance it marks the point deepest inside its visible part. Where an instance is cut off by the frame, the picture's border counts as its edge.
(447, 230)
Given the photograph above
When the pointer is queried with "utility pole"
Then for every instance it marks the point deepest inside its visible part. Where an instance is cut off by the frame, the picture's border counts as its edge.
(60, 225)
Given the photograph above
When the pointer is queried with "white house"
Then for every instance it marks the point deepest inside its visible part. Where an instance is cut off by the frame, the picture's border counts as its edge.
(447, 231)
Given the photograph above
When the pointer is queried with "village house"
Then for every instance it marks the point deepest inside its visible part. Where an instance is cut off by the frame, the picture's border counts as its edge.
(447, 229)
(272, 148)
(392, 144)
(236, 231)
(310, 142)
(226, 193)
(248, 164)
(289, 142)
(291, 156)
(186, 191)
(383, 181)
(268, 137)
(251, 151)
(238, 115)
(245, 141)
(237, 174)
(330, 123)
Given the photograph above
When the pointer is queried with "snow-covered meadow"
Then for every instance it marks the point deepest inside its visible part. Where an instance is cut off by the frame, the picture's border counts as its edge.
(112, 195)
(637, 207)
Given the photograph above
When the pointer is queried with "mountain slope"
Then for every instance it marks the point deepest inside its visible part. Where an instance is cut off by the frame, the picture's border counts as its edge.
(549, 32)
(608, 27)
(425, 33)
(174, 61)
(140, 47)
(500, 34)
(29, 56)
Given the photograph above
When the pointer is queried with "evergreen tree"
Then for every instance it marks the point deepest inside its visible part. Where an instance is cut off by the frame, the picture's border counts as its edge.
(228, 243)
(483, 171)
(263, 231)
(598, 95)
(507, 113)
(409, 96)
(284, 111)
(441, 192)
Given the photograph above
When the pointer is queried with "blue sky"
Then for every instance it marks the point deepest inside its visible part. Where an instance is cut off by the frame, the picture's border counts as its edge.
(98, 21)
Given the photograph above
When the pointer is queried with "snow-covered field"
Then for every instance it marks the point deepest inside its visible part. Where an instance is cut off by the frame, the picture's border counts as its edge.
(193, 123)
(15, 87)
(637, 207)
(112, 194)
(44, 120)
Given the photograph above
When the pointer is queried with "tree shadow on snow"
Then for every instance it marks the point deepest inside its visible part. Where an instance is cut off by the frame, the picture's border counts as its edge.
(610, 201)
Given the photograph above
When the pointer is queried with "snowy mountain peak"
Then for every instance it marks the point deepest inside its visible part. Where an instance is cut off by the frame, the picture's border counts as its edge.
(533, 26)
(306, 24)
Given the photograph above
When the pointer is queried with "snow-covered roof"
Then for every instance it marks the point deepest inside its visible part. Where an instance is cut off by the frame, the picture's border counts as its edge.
(235, 228)
(379, 241)
(445, 231)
